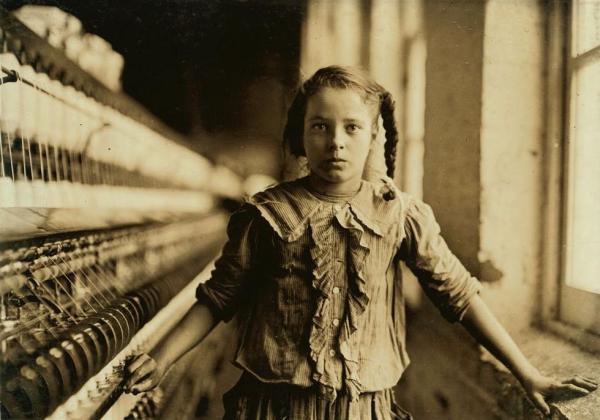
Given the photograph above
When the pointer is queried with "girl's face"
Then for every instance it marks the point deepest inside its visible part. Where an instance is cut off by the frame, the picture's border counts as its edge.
(338, 131)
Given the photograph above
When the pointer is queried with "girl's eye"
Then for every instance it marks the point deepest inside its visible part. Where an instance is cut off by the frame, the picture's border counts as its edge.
(319, 127)
(352, 128)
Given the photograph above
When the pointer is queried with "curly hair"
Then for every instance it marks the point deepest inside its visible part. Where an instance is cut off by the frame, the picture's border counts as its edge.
(342, 77)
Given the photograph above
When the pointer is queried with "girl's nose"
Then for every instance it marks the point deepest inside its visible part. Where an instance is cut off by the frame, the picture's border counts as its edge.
(337, 140)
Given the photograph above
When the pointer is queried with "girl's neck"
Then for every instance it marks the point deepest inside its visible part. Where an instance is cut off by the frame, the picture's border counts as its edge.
(333, 189)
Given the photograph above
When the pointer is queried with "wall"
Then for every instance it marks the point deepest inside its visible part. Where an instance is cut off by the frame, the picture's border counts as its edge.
(451, 181)
(512, 139)
(483, 177)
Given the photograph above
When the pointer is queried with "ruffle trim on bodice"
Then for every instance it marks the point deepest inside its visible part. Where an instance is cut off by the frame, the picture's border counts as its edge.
(357, 300)
(320, 252)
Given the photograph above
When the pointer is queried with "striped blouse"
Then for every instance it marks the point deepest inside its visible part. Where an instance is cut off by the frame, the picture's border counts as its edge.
(316, 285)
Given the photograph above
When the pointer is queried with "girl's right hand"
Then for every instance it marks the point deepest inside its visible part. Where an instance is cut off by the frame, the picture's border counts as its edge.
(144, 374)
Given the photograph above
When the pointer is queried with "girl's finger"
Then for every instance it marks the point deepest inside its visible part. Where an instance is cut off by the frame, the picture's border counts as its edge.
(541, 404)
(137, 362)
(139, 374)
(573, 388)
(145, 385)
(583, 382)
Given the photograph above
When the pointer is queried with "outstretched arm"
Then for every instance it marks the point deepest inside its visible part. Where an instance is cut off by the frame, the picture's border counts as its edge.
(146, 370)
(218, 299)
(481, 324)
(454, 291)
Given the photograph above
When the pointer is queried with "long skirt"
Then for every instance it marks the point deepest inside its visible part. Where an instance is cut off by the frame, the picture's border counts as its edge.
(251, 399)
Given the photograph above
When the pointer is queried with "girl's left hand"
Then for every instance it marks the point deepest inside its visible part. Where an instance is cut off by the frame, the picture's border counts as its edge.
(541, 388)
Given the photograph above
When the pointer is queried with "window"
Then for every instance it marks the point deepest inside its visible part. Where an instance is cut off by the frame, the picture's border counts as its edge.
(580, 294)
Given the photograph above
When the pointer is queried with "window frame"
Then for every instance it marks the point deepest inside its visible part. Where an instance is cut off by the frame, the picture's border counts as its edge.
(559, 66)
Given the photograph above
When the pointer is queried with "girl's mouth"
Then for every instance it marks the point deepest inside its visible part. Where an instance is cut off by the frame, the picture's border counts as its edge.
(335, 164)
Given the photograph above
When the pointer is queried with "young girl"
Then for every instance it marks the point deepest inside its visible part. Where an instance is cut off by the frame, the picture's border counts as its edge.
(311, 270)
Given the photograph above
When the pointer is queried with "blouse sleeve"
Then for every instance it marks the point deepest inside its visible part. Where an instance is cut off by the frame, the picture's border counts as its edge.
(443, 277)
(222, 292)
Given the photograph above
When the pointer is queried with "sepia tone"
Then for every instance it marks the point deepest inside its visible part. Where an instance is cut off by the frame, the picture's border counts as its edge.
(131, 131)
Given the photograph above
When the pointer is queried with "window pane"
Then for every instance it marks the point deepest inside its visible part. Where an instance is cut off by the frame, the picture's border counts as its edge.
(586, 25)
(583, 262)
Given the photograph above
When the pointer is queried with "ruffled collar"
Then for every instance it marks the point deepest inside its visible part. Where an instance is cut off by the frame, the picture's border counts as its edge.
(288, 207)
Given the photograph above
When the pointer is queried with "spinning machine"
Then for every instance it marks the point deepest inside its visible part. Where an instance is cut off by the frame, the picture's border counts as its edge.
(107, 224)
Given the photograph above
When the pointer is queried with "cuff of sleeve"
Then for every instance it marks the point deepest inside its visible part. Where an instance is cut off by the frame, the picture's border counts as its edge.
(203, 297)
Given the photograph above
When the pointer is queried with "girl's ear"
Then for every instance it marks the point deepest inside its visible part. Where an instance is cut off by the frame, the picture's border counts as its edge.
(374, 130)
